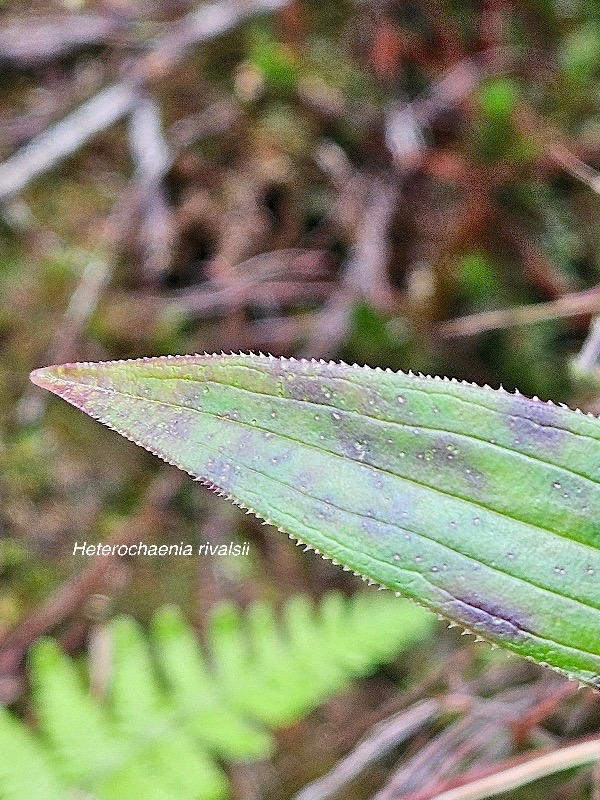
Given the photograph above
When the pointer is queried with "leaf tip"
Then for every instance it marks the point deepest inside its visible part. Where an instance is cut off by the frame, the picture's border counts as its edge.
(69, 381)
(46, 377)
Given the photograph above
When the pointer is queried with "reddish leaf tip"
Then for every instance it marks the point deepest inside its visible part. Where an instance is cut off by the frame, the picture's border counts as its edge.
(45, 377)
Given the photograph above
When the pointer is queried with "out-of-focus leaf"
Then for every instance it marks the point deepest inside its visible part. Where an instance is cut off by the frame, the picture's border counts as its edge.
(170, 714)
(580, 53)
(498, 98)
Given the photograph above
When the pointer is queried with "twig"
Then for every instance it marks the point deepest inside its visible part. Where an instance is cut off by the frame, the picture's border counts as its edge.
(542, 710)
(82, 304)
(509, 775)
(366, 269)
(220, 301)
(551, 280)
(379, 740)
(215, 119)
(448, 35)
(574, 166)
(456, 83)
(493, 23)
(99, 265)
(415, 772)
(404, 122)
(84, 299)
(114, 102)
(364, 274)
(334, 162)
(461, 740)
(150, 151)
(544, 133)
(403, 135)
(152, 158)
(282, 276)
(329, 326)
(588, 358)
(98, 268)
(570, 305)
(32, 40)
(65, 138)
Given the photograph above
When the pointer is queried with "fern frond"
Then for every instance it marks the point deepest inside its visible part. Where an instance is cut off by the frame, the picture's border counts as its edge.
(76, 728)
(209, 716)
(173, 710)
(149, 719)
(25, 767)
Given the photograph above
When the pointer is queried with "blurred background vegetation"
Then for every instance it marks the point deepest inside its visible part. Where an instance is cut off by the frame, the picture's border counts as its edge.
(404, 184)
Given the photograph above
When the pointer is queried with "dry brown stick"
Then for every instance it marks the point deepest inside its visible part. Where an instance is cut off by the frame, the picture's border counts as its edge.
(442, 747)
(493, 22)
(330, 325)
(458, 742)
(65, 138)
(379, 740)
(217, 118)
(220, 301)
(570, 305)
(457, 82)
(366, 266)
(30, 40)
(99, 264)
(450, 44)
(82, 303)
(547, 705)
(114, 102)
(504, 712)
(152, 158)
(519, 771)
(366, 269)
(552, 140)
(282, 276)
(589, 356)
(548, 277)
(574, 166)
(404, 121)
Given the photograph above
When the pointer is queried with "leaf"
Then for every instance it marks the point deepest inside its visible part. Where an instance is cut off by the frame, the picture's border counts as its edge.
(174, 710)
(26, 771)
(480, 504)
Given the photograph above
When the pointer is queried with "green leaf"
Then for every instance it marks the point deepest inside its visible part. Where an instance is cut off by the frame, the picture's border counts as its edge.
(26, 770)
(76, 730)
(277, 64)
(498, 98)
(580, 52)
(195, 688)
(480, 504)
(171, 712)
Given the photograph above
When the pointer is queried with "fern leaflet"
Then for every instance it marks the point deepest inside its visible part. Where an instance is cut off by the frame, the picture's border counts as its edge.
(174, 712)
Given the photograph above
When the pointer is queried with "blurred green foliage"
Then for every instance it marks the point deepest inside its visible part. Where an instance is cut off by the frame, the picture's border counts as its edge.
(169, 713)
